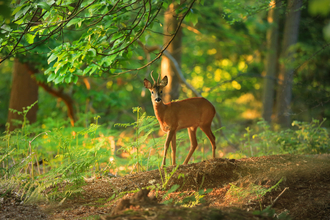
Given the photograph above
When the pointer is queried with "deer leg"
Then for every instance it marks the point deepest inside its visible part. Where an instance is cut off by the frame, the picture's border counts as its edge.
(173, 146)
(193, 141)
(167, 144)
(207, 130)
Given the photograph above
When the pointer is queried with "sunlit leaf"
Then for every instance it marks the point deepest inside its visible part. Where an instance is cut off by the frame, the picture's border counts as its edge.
(93, 51)
(59, 79)
(74, 21)
(29, 38)
(51, 77)
(107, 61)
(52, 58)
(75, 79)
(23, 11)
(43, 5)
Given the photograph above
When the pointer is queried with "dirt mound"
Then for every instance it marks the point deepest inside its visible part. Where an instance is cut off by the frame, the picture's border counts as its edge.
(298, 186)
(11, 207)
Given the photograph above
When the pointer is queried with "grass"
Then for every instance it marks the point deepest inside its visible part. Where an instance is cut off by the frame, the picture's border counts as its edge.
(36, 159)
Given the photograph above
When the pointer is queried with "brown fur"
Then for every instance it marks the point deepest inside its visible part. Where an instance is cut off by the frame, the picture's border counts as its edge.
(173, 116)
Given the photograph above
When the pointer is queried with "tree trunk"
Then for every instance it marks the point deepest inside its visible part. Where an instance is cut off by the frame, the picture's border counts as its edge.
(271, 61)
(290, 37)
(172, 90)
(24, 92)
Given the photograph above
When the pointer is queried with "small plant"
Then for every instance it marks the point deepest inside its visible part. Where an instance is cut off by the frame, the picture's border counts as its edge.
(167, 176)
(171, 190)
(188, 200)
(36, 160)
(195, 199)
(252, 191)
(142, 124)
(269, 212)
(303, 138)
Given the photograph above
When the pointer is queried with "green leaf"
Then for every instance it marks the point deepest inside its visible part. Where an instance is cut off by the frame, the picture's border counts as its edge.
(51, 77)
(73, 21)
(64, 68)
(17, 9)
(93, 51)
(6, 28)
(23, 11)
(58, 66)
(59, 79)
(90, 69)
(49, 70)
(192, 17)
(75, 79)
(52, 58)
(29, 38)
(43, 5)
(172, 189)
(68, 78)
(93, 69)
(108, 60)
(202, 192)
(165, 5)
(75, 56)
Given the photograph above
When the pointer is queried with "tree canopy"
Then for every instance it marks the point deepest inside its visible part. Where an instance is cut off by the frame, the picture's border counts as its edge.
(86, 37)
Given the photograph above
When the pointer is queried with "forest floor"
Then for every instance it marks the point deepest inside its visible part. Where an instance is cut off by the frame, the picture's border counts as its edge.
(238, 188)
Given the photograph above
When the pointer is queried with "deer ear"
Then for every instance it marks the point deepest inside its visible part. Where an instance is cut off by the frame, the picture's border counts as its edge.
(147, 84)
(164, 81)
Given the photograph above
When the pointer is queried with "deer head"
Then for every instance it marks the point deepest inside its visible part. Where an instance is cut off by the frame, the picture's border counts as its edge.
(156, 90)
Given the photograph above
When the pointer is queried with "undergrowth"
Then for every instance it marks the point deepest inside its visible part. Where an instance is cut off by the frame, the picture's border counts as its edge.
(302, 138)
(50, 161)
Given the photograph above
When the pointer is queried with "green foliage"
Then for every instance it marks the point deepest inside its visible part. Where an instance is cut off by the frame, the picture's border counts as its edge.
(171, 190)
(5, 10)
(167, 176)
(269, 212)
(143, 126)
(185, 199)
(222, 57)
(35, 159)
(5, 69)
(238, 11)
(195, 199)
(252, 191)
(321, 7)
(303, 138)
(97, 36)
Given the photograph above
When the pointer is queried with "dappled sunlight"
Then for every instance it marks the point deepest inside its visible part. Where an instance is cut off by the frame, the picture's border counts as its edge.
(253, 106)
(197, 82)
(242, 66)
(197, 69)
(251, 114)
(217, 75)
(245, 99)
(211, 51)
(236, 85)
(226, 63)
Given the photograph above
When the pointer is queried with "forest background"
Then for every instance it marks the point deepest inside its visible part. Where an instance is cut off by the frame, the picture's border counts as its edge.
(80, 66)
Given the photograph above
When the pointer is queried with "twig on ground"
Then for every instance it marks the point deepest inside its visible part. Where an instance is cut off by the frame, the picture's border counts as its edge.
(278, 196)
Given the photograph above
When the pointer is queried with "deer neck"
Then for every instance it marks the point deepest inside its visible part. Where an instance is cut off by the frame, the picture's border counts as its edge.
(159, 109)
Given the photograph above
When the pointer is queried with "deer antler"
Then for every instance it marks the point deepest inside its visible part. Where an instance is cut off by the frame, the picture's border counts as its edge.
(152, 77)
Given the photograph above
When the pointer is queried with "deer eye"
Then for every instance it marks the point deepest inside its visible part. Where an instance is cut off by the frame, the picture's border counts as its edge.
(161, 91)
(152, 92)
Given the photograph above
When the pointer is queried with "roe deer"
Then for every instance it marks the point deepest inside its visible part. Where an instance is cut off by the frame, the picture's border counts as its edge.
(189, 113)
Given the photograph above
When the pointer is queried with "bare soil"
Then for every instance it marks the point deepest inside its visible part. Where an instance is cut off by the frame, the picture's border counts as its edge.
(238, 189)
